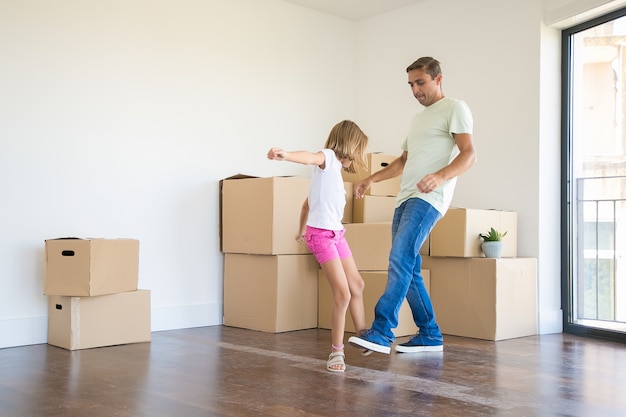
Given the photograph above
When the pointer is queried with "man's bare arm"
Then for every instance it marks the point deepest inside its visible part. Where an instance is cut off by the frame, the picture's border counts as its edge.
(392, 170)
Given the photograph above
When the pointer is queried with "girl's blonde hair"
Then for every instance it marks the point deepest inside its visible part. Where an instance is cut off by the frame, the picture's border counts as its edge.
(347, 140)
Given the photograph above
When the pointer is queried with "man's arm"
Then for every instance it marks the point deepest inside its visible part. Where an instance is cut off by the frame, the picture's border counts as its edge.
(392, 170)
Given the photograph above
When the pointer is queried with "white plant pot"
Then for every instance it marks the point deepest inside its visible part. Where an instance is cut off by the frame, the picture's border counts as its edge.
(492, 249)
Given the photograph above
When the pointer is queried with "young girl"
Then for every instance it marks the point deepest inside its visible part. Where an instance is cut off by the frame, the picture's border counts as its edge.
(322, 231)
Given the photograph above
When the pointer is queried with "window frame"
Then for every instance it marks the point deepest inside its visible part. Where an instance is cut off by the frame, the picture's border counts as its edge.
(567, 191)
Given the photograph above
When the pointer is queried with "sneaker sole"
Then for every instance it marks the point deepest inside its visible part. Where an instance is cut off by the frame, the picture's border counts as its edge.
(418, 349)
(361, 343)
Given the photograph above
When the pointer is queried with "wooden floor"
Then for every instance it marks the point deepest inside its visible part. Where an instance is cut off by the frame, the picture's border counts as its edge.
(224, 371)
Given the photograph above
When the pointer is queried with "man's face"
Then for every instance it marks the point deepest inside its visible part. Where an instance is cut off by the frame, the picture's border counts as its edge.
(425, 89)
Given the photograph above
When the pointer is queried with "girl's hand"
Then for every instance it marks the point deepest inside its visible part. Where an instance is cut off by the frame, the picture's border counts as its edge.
(361, 187)
(277, 154)
(300, 238)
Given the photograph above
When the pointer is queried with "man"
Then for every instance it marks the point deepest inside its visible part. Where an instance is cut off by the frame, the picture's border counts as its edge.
(438, 148)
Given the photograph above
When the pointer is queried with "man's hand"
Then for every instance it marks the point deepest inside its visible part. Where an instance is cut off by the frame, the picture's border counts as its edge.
(429, 183)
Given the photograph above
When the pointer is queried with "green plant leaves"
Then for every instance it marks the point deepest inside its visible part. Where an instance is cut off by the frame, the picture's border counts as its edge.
(492, 236)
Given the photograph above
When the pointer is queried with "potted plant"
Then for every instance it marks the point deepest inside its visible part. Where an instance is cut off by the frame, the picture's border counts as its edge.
(492, 243)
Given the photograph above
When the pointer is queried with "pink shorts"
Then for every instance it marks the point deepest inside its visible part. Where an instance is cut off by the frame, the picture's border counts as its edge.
(327, 245)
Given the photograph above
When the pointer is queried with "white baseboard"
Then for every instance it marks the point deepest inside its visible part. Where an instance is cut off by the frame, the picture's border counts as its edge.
(551, 321)
(183, 317)
(23, 331)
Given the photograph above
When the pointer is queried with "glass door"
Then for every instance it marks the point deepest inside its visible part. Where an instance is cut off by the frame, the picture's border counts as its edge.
(594, 177)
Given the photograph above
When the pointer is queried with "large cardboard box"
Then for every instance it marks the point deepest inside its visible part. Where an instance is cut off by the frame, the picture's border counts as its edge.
(373, 209)
(270, 293)
(262, 215)
(370, 244)
(105, 320)
(375, 162)
(456, 234)
(375, 282)
(491, 299)
(87, 267)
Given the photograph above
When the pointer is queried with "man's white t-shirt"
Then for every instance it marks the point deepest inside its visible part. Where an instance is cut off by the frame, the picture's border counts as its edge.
(430, 146)
(327, 194)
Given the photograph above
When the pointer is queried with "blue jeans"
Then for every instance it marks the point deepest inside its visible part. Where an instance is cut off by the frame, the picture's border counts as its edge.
(412, 222)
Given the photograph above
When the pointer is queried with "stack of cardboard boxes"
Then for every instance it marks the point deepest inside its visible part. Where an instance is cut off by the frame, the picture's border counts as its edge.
(480, 297)
(272, 283)
(473, 296)
(270, 280)
(93, 300)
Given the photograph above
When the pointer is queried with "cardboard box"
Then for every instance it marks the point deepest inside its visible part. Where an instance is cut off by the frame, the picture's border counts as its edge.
(373, 209)
(370, 244)
(456, 234)
(375, 282)
(105, 320)
(491, 299)
(425, 249)
(262, 215)
(87, 267)
(375, 162)
(270, 293)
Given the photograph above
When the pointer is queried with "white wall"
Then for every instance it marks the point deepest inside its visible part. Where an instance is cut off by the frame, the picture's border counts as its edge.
(118, 119)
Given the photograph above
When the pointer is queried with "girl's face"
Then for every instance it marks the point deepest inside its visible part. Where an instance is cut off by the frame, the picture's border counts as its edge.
(345, 162)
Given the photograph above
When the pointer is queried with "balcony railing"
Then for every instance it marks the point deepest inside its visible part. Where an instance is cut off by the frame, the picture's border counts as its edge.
(600, 287)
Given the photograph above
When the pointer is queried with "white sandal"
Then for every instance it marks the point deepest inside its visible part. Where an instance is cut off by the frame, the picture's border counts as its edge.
(336, 358)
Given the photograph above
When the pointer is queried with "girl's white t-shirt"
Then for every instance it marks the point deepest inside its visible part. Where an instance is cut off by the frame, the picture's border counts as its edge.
(430, 146)
(327, 194)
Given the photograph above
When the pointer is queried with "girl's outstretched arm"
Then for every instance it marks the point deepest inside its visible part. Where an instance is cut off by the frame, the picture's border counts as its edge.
(299, 157)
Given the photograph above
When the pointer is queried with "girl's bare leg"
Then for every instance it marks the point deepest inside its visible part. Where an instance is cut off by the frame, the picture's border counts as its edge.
(356, 285)
(338, 282)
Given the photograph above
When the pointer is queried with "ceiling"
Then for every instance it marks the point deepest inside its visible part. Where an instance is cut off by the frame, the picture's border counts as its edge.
(354, 9)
